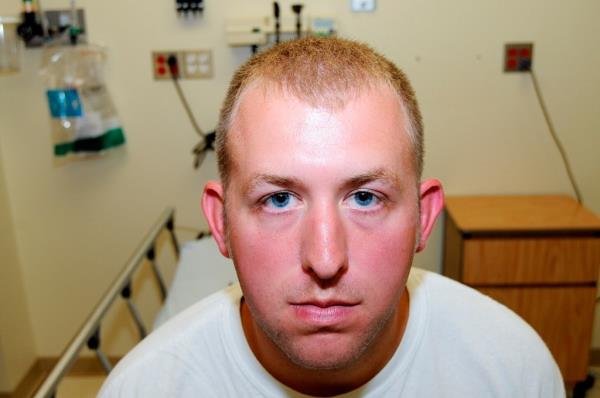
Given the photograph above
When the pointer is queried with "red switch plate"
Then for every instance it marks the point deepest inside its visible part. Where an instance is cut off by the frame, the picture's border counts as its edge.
(518, 57)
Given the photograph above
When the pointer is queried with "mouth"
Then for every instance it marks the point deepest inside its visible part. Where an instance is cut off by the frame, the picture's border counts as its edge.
(324, 313)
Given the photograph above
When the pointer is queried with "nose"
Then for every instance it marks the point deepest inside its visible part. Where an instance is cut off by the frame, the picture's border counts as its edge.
(324, 246)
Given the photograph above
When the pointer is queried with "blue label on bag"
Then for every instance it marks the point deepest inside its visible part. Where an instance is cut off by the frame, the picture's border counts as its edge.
(64, 103)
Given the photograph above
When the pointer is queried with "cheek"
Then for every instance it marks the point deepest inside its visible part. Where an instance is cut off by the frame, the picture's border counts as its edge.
(265, 255)
(264, 262)
(382, 258)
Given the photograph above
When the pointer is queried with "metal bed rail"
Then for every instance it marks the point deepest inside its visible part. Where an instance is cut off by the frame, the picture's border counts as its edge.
(89, 333)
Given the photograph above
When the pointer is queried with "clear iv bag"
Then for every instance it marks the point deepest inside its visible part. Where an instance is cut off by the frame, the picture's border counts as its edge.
(83, 117)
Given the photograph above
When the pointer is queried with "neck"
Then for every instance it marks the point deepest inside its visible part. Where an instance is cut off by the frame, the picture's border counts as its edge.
(329, 382)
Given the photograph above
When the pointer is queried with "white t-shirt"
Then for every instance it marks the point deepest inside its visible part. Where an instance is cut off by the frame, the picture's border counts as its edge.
(457, 343)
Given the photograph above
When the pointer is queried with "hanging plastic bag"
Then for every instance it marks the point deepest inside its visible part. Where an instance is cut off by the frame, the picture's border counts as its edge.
(84, 119)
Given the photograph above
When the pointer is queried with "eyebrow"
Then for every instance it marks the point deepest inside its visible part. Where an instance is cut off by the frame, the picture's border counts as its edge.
(379, 174)
(280, 181)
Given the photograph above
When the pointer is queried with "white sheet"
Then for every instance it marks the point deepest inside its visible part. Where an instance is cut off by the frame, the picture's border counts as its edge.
(201, 271)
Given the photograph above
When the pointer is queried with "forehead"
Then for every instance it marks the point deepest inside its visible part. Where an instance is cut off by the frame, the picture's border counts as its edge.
(273, 130)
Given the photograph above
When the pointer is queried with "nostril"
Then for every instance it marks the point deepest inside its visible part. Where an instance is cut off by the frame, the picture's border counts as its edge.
(323, 249)
(325, 259)
(323, 279)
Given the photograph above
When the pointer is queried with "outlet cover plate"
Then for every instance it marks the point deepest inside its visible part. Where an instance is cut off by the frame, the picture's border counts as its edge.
(518, 57)
(160, 66)
(197, 64)
(192, 64)
(362, 5)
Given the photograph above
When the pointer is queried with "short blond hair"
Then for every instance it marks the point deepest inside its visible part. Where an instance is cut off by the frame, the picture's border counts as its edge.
(323, 72)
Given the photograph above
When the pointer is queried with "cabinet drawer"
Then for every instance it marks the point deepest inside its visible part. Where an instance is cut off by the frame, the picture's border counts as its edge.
(551, 260)
(562, 317)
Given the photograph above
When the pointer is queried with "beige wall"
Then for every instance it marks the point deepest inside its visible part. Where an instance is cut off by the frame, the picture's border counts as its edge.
(75, 225)
(17, 348)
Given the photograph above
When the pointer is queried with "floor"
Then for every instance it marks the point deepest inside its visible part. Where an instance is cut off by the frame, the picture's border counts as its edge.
(595, 391)
(80, 386)
(88, 386)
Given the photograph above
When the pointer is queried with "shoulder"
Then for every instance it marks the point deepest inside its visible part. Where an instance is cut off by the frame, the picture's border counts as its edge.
(452, 301)
(467, 313)
(477, 333)
(175, 351)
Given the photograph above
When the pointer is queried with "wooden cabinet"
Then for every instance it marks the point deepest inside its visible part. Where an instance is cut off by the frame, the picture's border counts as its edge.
(538, 255)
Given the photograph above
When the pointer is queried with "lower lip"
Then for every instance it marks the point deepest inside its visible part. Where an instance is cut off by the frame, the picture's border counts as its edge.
(323, 316)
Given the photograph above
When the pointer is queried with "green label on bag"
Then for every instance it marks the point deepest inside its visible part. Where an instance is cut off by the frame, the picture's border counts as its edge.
(110, 139)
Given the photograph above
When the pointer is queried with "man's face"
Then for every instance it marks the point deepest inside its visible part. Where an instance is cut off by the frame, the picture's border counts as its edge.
(322, 220)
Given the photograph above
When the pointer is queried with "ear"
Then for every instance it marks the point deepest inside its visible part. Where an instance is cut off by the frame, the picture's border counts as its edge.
(432, 202)
(213, 205)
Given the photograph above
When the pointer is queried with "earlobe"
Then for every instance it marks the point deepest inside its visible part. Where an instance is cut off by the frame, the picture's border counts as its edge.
(213, 205)
(432, 202)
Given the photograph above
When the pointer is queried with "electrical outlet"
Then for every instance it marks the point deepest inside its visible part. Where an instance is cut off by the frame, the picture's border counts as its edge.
(518, 57)
(197, 64)
(191, 64)
(363, 5)
(160, 64)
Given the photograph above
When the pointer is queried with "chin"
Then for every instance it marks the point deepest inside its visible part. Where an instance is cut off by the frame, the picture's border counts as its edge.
(323, 359)
(328, 351)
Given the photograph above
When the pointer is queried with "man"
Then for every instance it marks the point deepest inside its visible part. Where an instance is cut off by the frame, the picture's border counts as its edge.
(321, 208)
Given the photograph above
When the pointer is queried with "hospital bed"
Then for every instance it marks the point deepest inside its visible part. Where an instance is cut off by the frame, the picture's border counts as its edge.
(192, 281)
(194, 278)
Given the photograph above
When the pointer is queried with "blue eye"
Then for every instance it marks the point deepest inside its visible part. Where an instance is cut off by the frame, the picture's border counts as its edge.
(280, 199)
(363, 198)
